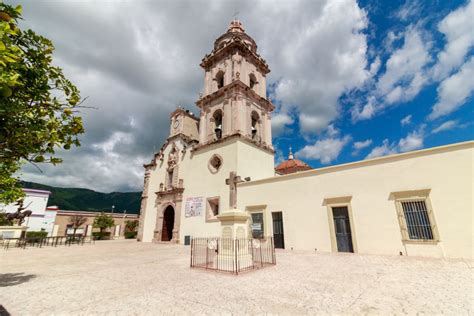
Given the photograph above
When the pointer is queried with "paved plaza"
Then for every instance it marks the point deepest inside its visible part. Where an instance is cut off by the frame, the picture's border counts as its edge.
(130, 278)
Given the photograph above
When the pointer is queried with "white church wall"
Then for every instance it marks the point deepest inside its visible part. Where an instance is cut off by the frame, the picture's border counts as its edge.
(446, 172)
(157, 176)
(254, 162)
(238, 156)
(201, 182)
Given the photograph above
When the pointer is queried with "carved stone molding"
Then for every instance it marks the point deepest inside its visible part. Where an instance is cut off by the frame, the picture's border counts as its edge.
(237, 134)
(235, 88)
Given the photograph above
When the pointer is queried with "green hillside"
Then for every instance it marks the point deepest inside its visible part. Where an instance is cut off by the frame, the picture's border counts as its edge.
(89, 200)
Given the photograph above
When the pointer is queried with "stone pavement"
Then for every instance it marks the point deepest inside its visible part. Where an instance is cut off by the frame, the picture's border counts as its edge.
(130, 278)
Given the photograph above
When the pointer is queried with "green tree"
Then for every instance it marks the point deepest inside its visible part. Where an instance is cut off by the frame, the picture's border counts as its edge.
(38, 104)
(103, 221)
(131, 226)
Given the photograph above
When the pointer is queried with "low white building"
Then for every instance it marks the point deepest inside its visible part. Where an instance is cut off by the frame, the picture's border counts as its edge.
(40, 219)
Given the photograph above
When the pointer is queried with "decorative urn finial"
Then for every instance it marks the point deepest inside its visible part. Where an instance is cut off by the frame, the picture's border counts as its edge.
(235, 26)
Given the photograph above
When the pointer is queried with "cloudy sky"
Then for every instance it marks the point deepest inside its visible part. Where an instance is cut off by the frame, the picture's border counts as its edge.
(350, 79)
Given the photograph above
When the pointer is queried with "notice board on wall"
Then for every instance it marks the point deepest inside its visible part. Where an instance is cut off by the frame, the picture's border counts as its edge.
(194, 206)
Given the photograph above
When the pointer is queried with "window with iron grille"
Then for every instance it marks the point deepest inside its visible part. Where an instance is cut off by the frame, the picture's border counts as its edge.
(417, 219)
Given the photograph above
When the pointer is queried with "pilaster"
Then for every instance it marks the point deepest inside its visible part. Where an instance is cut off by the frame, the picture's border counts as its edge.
(227, 117)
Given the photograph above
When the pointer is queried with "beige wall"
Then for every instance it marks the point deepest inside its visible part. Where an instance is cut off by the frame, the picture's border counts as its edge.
(62, 220)
(366, 187)
(446, 171)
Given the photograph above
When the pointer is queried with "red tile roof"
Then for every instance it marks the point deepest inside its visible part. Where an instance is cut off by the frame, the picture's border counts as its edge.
(292, 165)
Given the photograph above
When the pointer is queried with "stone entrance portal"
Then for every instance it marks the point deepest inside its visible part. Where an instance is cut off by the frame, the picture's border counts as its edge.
(168, 224)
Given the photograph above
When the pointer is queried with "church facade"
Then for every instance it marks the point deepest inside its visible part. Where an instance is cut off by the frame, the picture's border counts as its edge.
(418, 203)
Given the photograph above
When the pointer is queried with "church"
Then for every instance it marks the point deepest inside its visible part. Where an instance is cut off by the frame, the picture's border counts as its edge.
(414, 204)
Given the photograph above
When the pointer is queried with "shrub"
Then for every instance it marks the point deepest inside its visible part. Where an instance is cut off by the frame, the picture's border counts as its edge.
(130, 235)
(131, 226)
(101, 235)
(36, 234)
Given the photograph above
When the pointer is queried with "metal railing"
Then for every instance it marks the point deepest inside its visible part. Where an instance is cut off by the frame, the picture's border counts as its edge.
(232, 255)
(40, 242)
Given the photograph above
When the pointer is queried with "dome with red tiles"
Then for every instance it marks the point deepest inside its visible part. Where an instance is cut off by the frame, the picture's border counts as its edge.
(291, 165)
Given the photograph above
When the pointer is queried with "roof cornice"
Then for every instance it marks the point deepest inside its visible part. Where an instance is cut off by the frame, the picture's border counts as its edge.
(232, 137)
(232, 89)
(229, 49)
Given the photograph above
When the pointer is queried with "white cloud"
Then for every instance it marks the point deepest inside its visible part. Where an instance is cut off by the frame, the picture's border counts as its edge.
(375, 66)
(413, 141)
(385, 149)
(391, 38)
(404, 75)
(458, 29)
(455, 88)
(280, 122)
(410, 9)
(116, 139)
(365, 112)
(325, 150)
(362, 144)
(321, 54)
(406, 120)
(332, 131)
(454, 91)
(410, 67)
(445, 126)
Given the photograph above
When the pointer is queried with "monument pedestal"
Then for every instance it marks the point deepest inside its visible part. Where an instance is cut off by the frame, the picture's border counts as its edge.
(235, 246)
(12, 231)
(234, 224)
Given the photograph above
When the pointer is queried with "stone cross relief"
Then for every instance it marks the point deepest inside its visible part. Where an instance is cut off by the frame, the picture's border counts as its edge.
(232, 183)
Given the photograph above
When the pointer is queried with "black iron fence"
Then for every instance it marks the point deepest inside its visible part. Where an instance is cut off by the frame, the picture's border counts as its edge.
(44, 241)
(232, 255)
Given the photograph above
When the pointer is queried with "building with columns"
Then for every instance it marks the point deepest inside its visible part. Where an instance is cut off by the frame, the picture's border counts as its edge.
(417, 203)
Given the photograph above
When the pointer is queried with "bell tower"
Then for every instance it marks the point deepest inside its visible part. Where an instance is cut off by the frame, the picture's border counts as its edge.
(234, 101)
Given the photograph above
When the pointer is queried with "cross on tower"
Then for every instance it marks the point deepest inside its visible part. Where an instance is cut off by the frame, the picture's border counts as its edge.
(235, 15)
(232, 183)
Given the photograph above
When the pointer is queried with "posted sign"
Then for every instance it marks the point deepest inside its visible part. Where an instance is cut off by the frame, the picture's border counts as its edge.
(194, 206)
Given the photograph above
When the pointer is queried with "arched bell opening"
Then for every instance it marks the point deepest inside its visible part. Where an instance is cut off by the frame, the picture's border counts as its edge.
(220, 79)
(255, 125)
(217, 116)
(252, 81)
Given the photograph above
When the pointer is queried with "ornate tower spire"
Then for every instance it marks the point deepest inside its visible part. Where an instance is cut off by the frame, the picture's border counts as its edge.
(290, 155)
(234, 101)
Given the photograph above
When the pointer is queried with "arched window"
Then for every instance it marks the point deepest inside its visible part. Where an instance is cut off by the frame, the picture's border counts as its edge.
(255, 119)
(252, 81)
(220, 79)
(217, 116)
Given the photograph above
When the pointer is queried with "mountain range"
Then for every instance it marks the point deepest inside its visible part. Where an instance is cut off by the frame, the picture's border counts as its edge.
(78, 199)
